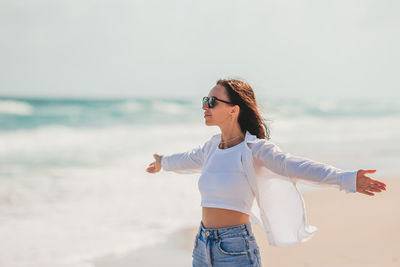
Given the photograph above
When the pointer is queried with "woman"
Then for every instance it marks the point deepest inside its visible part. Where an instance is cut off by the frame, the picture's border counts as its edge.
(240, 164)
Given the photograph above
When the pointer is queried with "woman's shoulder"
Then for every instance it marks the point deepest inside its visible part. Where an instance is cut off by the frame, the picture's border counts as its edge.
(257, 145)
(254, 140)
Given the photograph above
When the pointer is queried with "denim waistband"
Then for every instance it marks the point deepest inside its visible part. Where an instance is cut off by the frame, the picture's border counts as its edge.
(216, 233)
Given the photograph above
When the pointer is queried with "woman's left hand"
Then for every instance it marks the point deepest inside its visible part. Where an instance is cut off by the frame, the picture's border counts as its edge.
(366, 184)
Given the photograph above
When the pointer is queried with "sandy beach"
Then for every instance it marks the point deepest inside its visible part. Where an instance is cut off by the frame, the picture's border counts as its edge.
(354, 230)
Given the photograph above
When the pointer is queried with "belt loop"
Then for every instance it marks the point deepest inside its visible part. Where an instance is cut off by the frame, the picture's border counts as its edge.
(200, 227)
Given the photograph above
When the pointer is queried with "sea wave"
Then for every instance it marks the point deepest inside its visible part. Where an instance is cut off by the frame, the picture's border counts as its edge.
(15, 107)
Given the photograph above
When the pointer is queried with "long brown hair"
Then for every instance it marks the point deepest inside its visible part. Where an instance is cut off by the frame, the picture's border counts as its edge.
(240, 93)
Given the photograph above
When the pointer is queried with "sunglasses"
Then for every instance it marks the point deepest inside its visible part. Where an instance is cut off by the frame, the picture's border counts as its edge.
(211, 101)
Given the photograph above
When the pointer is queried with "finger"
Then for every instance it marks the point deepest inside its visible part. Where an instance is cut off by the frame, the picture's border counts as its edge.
(376, 183)
(370, 186)
(374, 189)
(380, 185)
(367, 193)
(368, 171)
(377, 187)
(150, 168)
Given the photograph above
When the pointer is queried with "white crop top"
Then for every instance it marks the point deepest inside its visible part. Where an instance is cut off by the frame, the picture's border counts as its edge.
(223, 183)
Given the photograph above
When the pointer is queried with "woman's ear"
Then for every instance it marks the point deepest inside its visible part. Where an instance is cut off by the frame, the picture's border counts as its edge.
(236, 108)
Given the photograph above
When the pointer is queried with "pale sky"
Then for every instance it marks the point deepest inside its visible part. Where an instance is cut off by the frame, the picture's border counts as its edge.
(164, 48)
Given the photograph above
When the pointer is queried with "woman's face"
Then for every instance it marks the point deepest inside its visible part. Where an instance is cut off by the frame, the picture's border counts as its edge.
(221, 112)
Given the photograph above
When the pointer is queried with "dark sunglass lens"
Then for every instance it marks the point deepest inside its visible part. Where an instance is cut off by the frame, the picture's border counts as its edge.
(211, 102)
(204, 100)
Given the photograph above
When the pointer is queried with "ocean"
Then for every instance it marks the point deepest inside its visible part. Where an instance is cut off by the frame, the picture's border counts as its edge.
(73, 180)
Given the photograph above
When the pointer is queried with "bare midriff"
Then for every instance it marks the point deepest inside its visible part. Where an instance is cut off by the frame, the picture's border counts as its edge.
(219, 218)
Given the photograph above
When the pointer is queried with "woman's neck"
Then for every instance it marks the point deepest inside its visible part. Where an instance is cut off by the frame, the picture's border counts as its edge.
(231, 140)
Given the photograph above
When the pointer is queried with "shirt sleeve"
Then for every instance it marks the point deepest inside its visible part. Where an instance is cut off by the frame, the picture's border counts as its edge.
(272, 157)
(190, 161)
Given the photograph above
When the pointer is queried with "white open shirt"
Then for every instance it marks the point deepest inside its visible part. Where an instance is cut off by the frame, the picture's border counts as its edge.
(279, 208)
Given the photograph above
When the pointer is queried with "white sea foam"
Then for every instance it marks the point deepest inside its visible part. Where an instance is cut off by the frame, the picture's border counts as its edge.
(167, 107)
(15, 107)
(131, 106)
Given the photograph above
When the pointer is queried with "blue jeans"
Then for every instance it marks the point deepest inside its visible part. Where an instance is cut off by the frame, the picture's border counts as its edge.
(228, 246)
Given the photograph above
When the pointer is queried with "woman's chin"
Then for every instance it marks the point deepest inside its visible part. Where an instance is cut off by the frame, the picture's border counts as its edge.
(207, 122)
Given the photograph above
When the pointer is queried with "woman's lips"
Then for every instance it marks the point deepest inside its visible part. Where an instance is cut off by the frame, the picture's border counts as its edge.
(206, 115)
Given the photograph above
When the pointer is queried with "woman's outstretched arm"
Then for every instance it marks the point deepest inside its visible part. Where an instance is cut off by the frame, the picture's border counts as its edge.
(286, 164)
(186, 162)
(190, 161)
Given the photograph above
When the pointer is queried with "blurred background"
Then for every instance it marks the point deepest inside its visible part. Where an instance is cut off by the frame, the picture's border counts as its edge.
(90, 90)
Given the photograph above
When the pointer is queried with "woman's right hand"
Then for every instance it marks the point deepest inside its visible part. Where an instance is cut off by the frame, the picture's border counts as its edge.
(155, 166)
